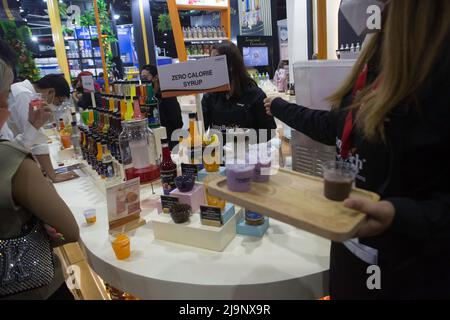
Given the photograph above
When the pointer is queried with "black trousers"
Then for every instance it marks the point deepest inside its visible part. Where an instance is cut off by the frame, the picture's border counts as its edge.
(421, 277)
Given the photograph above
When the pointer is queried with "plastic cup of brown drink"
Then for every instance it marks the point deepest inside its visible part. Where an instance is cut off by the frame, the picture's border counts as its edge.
(339, 178)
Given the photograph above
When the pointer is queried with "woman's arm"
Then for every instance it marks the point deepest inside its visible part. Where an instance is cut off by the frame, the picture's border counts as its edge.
(318, 125)
(262, 119)
(37, 195)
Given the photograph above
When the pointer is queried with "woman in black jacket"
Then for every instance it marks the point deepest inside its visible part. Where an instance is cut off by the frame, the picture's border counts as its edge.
(391, 119)
(169, 108)
(243, 106)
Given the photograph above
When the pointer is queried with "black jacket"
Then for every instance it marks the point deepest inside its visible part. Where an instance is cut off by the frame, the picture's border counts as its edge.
(170, 114)
(411, 170)
(86, 101)
(246, 112)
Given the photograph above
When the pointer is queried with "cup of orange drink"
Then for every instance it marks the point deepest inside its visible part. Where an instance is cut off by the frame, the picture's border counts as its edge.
(66, 140)
(121, 246)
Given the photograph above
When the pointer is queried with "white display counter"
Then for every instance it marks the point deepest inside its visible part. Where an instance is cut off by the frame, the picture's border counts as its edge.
(286, 263)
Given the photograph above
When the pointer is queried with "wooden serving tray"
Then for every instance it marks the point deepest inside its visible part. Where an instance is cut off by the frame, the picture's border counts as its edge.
(297, 199)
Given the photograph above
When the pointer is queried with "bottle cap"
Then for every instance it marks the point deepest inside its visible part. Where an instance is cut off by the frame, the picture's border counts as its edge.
(164, 141)
(192, 115)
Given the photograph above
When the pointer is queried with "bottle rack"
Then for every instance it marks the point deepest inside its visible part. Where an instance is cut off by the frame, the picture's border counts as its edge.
(181, 40)
(106, 123)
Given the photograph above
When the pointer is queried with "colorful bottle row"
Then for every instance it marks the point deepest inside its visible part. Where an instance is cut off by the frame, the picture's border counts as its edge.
(190, 33)
(199, 49)
(118, 130)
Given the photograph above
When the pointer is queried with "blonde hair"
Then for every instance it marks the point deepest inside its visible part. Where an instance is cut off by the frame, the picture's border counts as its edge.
(414, 35)
(6, 77)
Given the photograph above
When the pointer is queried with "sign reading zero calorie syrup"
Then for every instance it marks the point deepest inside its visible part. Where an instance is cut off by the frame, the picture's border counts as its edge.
(193, 77)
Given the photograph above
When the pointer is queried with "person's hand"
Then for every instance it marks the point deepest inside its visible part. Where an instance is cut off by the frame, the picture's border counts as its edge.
(77, 96)
(53, 234)
(268, 105)
(380, 216)
(39, 116)
(64, 177)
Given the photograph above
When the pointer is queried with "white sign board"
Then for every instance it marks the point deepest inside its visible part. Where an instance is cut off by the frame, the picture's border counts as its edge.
(88, 84)
(193, 77)
(123, 200)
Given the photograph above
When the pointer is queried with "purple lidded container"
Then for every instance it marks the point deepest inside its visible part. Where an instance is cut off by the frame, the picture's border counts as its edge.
(262, 170)
(239, 177)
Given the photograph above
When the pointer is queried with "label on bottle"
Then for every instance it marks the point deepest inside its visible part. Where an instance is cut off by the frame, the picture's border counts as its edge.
(153, 115)
(144, 110)
(168, 180)
(109, 169)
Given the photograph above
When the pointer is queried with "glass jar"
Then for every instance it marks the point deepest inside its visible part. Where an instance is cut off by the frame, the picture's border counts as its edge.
(138, 151)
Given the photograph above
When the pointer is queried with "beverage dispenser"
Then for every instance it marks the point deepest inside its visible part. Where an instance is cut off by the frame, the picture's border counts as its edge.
(138, 151)
(315, 81)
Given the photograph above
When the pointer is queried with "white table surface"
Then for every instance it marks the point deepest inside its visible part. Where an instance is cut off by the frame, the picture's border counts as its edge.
(286, 263)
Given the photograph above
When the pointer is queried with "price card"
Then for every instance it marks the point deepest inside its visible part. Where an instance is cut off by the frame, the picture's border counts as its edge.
(167, 203)
(189, 169)
(211, 216)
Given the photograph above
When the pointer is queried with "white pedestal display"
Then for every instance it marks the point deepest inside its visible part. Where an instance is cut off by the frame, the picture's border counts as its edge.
(194, 234)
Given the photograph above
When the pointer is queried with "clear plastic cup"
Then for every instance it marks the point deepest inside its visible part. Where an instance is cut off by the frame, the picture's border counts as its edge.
(36, 101)
(90, 215)
(339, 177)
(66, 140)
(121, 246)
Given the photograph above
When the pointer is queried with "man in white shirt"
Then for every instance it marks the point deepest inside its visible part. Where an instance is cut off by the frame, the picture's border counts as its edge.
(37, 118)
(54, 90)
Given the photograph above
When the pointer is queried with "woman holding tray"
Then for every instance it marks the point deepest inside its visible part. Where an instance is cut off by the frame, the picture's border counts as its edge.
(392, 113)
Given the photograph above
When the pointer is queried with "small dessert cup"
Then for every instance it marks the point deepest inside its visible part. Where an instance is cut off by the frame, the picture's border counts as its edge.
(339, 178)
(185, 183)
(90, 215)
(239, 177)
